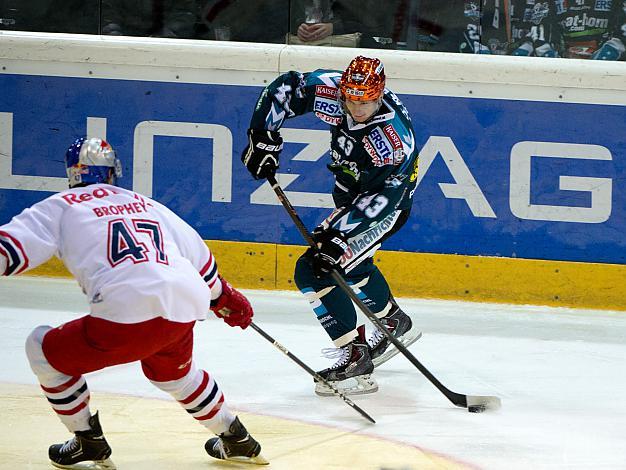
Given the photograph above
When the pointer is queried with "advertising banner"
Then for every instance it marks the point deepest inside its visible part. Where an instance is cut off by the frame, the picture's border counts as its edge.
(498, 177)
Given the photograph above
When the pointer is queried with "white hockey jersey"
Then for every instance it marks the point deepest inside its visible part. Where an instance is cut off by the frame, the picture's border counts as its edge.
(133, 257)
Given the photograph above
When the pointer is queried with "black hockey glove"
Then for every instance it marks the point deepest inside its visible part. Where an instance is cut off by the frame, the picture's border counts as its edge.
(331, 245)
(261, 154)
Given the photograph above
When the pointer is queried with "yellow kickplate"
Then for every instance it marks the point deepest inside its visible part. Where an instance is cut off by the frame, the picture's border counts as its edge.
(251, 265)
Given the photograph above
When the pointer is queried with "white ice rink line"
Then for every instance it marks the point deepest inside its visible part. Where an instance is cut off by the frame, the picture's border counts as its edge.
(559, 372)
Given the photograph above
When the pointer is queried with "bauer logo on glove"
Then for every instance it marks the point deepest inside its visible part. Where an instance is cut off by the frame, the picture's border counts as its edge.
(269, 148)
(331, 246)
(340, 243)
(261, 154)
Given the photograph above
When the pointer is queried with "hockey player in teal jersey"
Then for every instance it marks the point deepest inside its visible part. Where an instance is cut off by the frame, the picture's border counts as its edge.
(374, 161)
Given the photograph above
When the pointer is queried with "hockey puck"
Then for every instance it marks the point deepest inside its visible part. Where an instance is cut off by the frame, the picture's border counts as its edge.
(476, 408)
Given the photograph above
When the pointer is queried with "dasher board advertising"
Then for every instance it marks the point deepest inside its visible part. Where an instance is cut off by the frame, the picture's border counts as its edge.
(497, 177)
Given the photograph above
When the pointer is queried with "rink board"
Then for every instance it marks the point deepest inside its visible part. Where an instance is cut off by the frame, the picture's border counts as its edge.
(508, 183)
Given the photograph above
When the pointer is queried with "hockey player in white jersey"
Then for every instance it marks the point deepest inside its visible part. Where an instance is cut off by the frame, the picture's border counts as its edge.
(148, 277)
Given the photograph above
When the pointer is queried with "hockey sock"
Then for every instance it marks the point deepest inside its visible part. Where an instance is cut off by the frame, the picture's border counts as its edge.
(200, 396)
(68, 396)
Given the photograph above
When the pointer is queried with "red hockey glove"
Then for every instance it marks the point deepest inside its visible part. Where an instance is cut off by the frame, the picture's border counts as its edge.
(232, 306)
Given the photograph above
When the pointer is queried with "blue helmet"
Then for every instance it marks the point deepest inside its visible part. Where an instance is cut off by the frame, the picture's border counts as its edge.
(91, 160)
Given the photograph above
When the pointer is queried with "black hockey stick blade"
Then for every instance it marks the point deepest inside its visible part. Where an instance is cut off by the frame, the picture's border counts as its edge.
(311, 372)
(474, 404)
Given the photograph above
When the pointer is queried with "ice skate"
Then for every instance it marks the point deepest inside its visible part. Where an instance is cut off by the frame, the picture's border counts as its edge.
(399, 324)
(239, 446)
(86, 450)
(351, 374)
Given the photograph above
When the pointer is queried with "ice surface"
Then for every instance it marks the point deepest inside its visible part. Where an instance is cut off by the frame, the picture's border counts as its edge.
(559, 372)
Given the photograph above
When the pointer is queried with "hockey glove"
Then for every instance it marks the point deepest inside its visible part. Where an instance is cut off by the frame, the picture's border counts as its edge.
(232, 306)
(331, 245)
(261, 154)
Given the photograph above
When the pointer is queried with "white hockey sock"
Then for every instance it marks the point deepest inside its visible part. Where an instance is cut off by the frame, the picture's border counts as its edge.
(199, 394)
(68, 396)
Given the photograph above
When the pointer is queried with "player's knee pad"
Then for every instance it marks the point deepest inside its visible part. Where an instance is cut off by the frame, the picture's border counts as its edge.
(34, 351)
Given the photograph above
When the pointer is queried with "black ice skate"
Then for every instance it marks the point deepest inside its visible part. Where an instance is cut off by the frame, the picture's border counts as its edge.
(399, 324)
(351, 374)
(85, 446)
(240, 446)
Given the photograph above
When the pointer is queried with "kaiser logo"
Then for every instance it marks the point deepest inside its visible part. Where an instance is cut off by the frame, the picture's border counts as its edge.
(393, 137)
(324, 91)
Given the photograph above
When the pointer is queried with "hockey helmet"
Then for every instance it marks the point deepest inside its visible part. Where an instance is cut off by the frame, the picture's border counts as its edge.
(91, 160)
(363, 80)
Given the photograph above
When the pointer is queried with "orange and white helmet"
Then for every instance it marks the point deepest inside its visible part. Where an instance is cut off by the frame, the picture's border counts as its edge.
(363, 80)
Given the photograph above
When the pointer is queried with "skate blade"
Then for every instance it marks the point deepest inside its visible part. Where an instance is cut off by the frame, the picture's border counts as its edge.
(407, 340)
(258, 460)
(360, 385)
(106, 464)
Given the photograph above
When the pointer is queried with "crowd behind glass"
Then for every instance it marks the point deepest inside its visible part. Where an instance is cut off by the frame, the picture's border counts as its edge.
(584, 29)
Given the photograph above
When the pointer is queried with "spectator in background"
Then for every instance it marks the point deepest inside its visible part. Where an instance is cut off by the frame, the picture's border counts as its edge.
(155, 18)
(487, 27)
(382, 24)
(423, 25)
(239, 20)
(325, 23)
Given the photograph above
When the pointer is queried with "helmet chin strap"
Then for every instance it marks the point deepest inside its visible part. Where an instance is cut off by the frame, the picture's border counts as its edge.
(112, 179)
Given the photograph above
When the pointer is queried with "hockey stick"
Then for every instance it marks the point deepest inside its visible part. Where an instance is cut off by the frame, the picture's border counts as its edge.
(311, 372)
(473, 403)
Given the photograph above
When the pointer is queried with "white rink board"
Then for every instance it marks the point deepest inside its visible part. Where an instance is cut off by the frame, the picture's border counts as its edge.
(424, 73)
